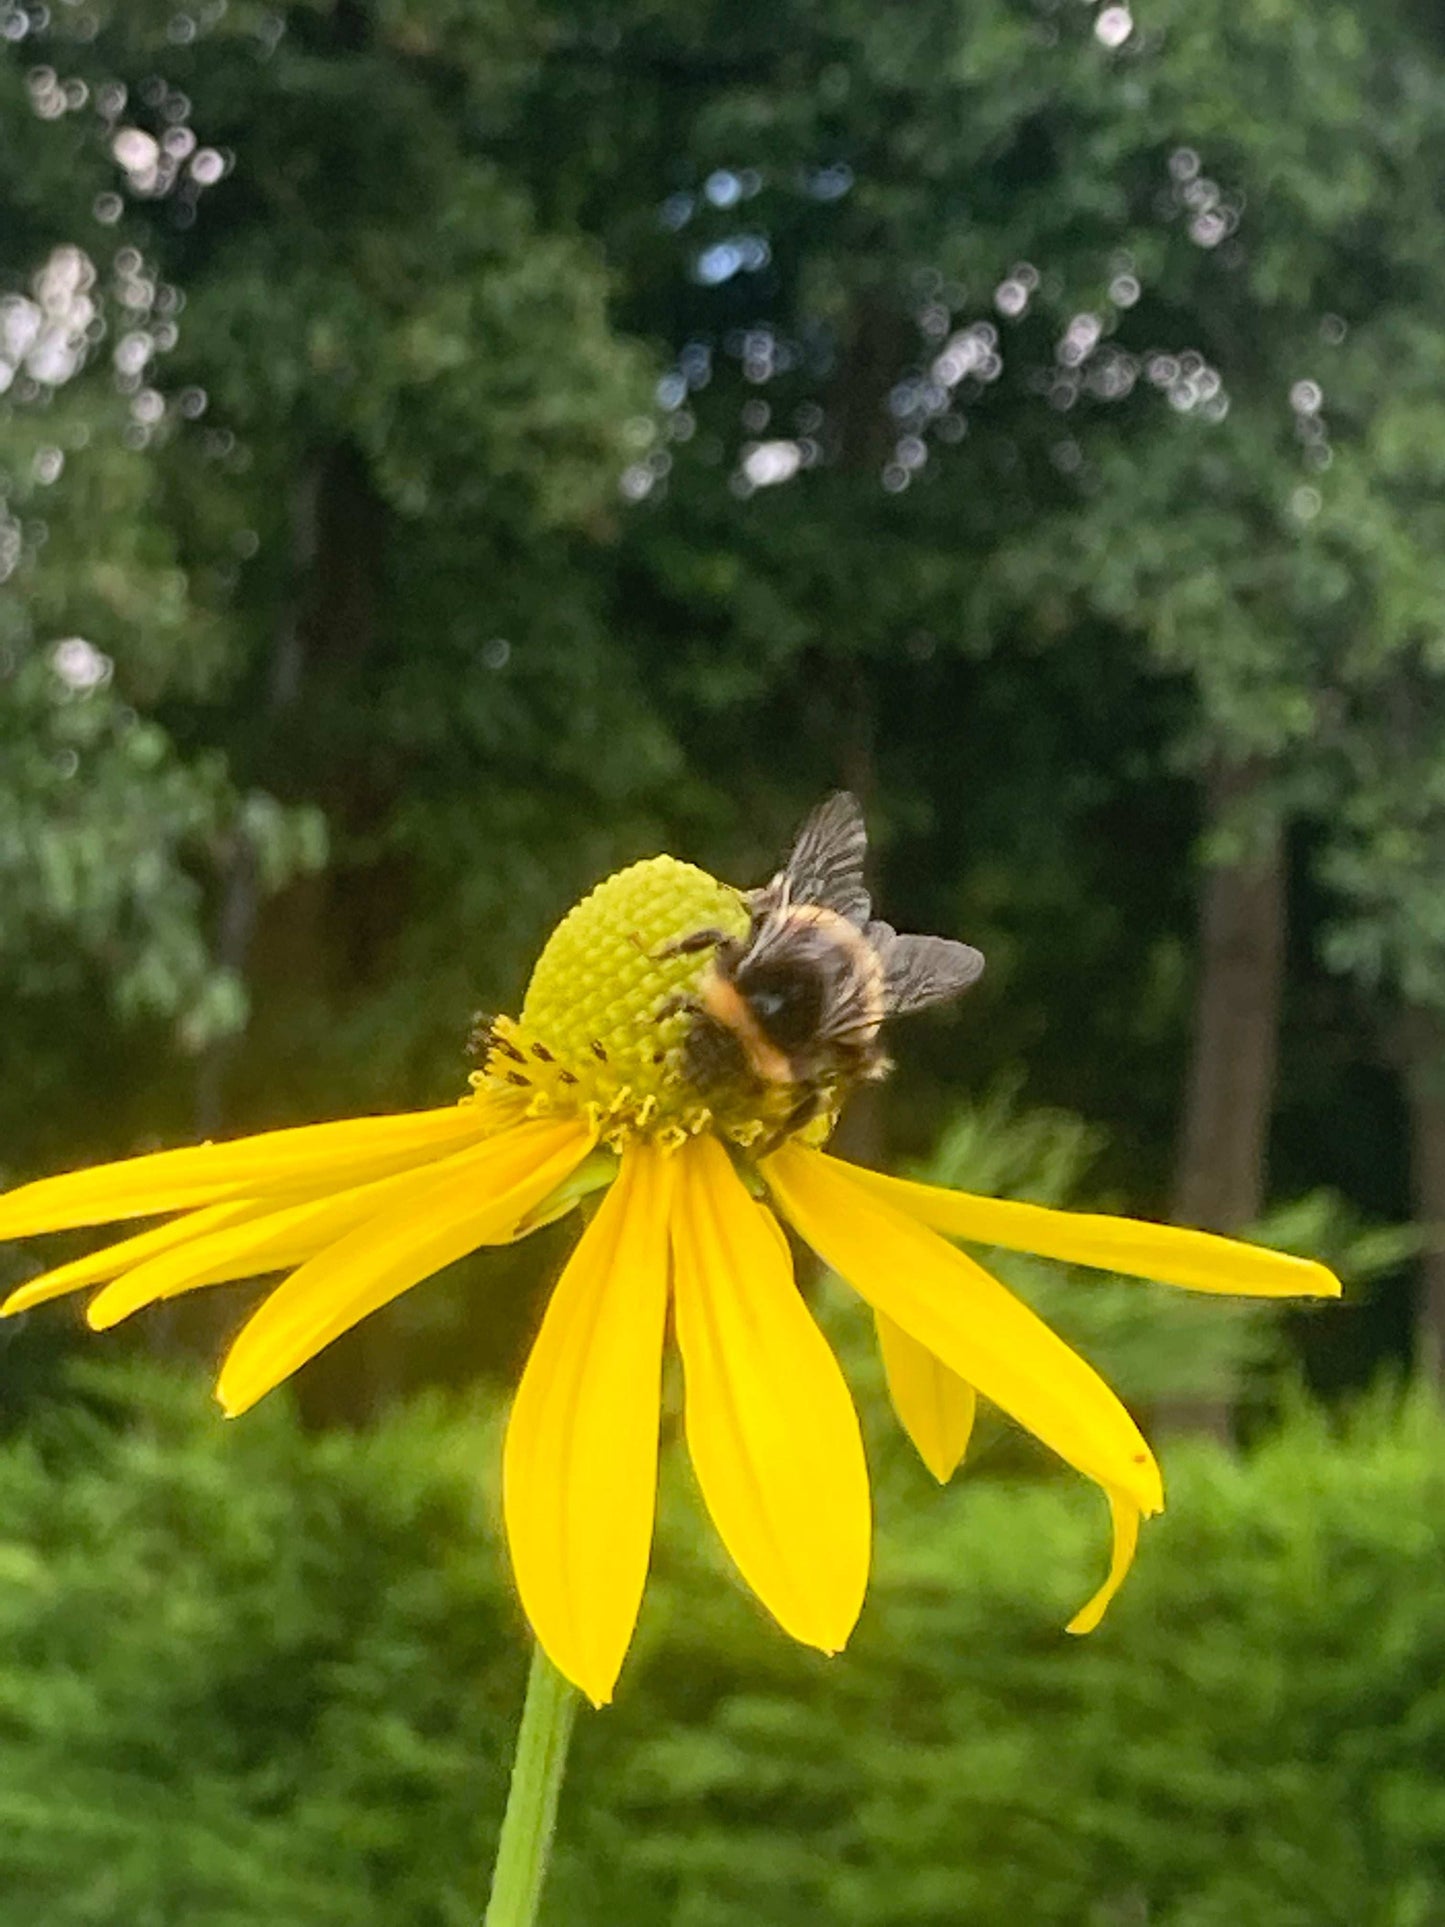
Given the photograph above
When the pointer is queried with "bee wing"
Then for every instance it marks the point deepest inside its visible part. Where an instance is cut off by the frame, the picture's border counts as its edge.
(918, 971)
(825, 864)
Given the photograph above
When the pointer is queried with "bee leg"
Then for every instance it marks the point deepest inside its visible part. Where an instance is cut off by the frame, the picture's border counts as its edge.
(670, 1006)
(689, 946)
(803, 1112)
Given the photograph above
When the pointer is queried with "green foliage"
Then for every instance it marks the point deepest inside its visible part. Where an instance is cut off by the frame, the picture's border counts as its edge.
(107, 834)
(110, 830)
(250, 1675)
(305, 412)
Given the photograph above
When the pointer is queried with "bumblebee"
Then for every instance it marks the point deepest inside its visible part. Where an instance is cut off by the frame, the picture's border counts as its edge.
(801, 998)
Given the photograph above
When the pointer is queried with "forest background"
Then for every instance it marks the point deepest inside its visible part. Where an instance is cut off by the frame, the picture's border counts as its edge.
(450, 448)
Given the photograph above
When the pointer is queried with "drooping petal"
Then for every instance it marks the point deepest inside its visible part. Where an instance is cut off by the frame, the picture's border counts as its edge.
(935, 1406)
(479, 1201)
(309, 1157)
(270, 1238)
(1167, 1253)
(967, 1319)
(579, 1470)
(771, 1428)
(111, 1260)
(1125, 1517)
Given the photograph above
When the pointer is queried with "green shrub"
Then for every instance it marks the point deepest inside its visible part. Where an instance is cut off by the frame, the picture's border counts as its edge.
(246, 1675)
(252, 1676)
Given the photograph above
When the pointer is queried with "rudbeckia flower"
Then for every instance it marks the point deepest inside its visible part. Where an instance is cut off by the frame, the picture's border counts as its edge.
(594, 1090)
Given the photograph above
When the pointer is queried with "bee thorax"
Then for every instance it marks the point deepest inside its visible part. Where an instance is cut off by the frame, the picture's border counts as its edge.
(725, 1006)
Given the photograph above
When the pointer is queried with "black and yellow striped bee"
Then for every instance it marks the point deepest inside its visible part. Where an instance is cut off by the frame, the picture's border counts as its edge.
(801, 998)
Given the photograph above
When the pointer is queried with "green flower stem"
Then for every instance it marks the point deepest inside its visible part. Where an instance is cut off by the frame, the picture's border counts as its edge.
(531, 1815)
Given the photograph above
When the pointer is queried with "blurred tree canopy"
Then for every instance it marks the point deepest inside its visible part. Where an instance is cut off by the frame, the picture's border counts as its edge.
(452, 447)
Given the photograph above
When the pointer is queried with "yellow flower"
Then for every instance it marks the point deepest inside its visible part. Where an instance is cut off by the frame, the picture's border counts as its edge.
(589, 1088)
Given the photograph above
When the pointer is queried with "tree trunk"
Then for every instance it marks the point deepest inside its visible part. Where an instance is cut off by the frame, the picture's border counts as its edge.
(1423, 1047)
(240, 898)
(1219, 1179)
(842, 704)
(1220, 1172)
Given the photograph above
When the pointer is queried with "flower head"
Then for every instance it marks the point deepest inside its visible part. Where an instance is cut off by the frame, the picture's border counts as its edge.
(603, 1084)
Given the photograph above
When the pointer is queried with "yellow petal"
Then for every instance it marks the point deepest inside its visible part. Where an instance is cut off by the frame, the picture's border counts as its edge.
(771, 1428)
(112, 1259)
(967, 1319)
(579, 1471)
(479, 1201)
(1167, 1253)
(270, 1238)
(935, 1406)
(311, 1157)
(1125, 1517)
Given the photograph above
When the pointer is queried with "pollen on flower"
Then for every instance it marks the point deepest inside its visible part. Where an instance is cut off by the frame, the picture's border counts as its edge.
(604, 1019)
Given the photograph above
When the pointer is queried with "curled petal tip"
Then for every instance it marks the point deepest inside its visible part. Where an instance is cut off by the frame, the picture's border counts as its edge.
(105, 1311)
(1124, 1517)
(27, 1297)
(1311, 1279)
(1149, 1497)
